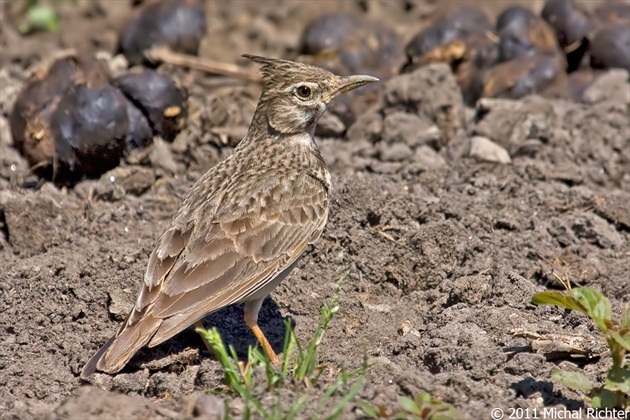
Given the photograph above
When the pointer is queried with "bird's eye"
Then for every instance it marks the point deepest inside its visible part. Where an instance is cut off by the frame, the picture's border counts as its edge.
(304, 92)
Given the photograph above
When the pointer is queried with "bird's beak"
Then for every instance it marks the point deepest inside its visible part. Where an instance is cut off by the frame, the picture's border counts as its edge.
(348, 83)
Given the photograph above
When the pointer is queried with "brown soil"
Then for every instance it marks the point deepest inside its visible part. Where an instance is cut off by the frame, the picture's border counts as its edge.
(444, 251)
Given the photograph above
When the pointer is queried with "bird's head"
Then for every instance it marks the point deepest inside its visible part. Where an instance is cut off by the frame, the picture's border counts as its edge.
(295, 94)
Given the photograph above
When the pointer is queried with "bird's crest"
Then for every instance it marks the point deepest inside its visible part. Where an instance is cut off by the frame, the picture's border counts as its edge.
(278, 71)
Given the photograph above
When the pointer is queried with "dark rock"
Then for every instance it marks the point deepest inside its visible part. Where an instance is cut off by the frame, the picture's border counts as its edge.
(70, 123)
(139, 134)
(461, 37)
(570, 23)
(610, 47)
(525, 75)
(352, 44)
(446, 26)
(523, 33)
(88, 128)
(159, 98)
(571, 26)
(612, 12)
(176, 24)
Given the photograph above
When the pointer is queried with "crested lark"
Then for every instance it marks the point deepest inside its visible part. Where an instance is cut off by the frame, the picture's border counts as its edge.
(243, 225)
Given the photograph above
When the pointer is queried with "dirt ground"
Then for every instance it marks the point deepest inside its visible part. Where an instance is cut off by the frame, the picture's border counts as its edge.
(444, 250)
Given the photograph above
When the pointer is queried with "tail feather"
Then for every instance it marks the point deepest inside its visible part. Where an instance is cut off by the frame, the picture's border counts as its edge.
(117, 351)
(90, 366)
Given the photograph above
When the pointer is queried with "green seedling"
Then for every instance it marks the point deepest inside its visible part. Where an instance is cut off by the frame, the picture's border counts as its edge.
(615, 391)
(423, 407)
(39, 17)
(297, 373)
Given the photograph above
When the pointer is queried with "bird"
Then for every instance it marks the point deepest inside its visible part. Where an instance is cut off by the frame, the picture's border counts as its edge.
(243, 225)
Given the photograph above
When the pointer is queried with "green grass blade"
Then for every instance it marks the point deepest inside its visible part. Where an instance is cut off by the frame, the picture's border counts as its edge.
(354, 390)
(296, 407)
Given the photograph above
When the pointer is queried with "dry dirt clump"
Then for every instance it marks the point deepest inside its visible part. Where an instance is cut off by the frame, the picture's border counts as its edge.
(447, 219)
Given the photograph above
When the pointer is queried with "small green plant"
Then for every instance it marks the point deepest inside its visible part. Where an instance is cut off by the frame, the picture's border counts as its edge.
(298, 373)
(615, 391)
(423, 407)
(40, 16)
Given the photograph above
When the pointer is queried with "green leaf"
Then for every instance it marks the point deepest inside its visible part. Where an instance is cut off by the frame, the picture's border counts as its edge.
(573, 380)
(558, 299)
(408, 405)
(618, 379)
(625, 319)
(598, 305)
(448, 414)
(624, 341)
(604, 399)
(368, 409)
(40, 18)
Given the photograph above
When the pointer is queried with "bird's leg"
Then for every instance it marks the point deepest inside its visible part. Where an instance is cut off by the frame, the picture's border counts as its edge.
(251, 319)
(199, 324)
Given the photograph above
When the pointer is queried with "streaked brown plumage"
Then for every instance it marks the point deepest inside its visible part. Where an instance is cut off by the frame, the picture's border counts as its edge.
(244, 224)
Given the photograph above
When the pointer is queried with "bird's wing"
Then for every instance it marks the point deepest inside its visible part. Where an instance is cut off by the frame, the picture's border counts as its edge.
(192, 272)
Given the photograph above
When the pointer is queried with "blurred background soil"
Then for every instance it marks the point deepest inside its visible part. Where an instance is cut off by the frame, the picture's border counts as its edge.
(449, 212)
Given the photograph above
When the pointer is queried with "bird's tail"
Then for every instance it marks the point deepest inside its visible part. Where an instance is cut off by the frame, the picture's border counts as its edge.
(117, 351)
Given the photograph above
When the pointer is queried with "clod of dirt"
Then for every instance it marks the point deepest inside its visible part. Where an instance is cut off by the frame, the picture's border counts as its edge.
(119, 306)
(579, 81)
(352, 44)
(367, 127)
(27, 219)
(610, 47)
(208, 406)
(114, 185)
(414, 130)
(330, 125)
(92, 402)
(409, 92)
(523, 33)
(614, 208)
(525, 75)
(511, 124)
(159, 98)
(611, 85)
(177, 24)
